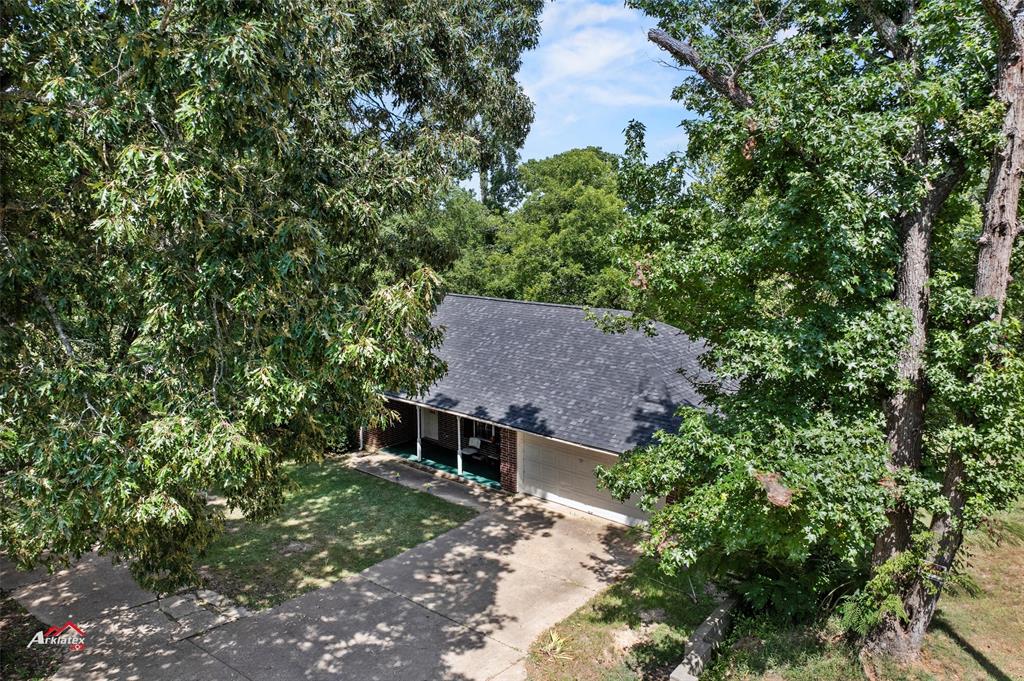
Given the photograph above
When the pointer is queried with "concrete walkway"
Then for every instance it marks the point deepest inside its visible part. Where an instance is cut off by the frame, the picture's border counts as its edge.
(465, 605)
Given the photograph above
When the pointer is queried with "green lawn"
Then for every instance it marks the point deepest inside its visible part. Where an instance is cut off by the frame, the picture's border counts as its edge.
(977, 633)
(633, 630)
(338, 522)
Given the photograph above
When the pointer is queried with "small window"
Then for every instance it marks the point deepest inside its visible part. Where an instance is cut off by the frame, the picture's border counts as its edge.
(483, 430)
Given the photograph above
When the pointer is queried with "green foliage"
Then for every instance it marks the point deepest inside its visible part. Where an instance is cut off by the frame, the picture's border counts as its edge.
(780, 248)
(761, 648)
(557, 245)
(438, 235)
(195, 197)
(882, 595)
(976, 370)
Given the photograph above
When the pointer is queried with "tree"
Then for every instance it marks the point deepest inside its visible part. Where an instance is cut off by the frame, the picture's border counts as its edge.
(193, 202)
(557, 245)
(438, 235)
(824, 246)
(497, 165)
(988, 373)
(501, 129)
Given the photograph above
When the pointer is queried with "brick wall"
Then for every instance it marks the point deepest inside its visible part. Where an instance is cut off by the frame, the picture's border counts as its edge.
(448, 435)
(447, 431)
(508, 460)
(401, 430)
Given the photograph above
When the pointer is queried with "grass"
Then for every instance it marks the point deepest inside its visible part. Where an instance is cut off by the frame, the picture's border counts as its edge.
(338, 522)
(17, 627)
(635, 629)
(980, 629)
(977, 633)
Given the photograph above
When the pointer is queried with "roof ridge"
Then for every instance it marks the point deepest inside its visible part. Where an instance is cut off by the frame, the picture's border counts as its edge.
(537, 302)
(513, 300)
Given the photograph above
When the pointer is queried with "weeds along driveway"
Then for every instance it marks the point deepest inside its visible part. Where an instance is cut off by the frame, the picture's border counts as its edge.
(465, 605)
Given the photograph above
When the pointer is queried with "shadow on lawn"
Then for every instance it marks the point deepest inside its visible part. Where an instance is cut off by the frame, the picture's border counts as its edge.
(658, 610)
(939, 624)
(357, 628)
(436, 611)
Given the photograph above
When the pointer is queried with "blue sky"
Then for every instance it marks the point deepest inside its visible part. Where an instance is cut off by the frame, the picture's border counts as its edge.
(592, 72)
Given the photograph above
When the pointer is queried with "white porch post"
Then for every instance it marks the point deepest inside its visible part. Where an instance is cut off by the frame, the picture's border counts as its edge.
(361, 444)
(419, 442)
(458, 455)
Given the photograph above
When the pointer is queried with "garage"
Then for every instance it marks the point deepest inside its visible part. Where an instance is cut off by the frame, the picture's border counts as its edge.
(564, 473)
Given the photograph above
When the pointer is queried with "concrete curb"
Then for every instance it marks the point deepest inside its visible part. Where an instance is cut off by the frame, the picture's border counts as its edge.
(704, 642)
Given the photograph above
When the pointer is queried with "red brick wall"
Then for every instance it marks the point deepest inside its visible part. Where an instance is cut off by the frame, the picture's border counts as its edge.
(448, 435)
(508, 460)
(401, 430)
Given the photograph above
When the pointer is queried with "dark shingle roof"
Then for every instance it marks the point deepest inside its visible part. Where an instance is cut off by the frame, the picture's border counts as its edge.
(546, 369)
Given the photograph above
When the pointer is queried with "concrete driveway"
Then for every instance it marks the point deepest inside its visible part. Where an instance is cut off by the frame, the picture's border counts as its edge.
(466, 605)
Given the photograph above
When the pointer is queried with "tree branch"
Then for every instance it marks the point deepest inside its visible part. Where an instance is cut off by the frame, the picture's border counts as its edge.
(887, 29)
(1008, 17)
(688, 56)
(168, 8)
(65, 342)
(748, 57)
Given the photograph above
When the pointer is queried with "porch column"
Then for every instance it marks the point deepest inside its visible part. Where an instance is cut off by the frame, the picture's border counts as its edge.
(419, 442)
(458, 454)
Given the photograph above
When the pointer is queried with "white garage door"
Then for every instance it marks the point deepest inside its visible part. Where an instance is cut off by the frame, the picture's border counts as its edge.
(565, 474)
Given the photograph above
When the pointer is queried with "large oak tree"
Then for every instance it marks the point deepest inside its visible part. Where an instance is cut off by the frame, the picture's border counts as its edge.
(193, 195)
(845, 243)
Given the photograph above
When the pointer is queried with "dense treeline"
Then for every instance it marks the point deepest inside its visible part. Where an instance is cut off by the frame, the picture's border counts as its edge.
(554, 245)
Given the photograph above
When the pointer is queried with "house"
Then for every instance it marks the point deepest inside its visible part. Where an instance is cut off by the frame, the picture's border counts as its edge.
(536, 396)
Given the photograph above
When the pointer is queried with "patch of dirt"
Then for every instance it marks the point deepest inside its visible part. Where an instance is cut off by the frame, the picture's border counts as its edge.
(653, 616)
(750, 644)
(624, 639)
(294, 547)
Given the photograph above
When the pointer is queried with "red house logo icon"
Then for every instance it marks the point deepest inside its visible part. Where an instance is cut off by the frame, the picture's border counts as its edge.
(67, 634)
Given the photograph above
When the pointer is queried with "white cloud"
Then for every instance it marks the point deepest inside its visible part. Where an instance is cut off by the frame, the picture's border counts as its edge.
(593, 71)
(572, 14)
(616, 96)
(588, 52)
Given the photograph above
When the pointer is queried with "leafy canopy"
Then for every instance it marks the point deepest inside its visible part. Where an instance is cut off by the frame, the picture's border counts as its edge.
(557, 246)
(780, 249)
(194, 195)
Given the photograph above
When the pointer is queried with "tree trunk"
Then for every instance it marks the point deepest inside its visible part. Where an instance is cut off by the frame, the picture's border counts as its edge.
(484, 186)
(1001, 224)
(485, 179)
(1000, 227)
(904, 410)
(906, 407)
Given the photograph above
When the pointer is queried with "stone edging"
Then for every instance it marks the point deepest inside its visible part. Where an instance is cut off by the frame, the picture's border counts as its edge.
(704, 642)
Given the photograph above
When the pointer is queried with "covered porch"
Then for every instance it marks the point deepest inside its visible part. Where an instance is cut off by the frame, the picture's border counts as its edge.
(481, 471)
(458, 445)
